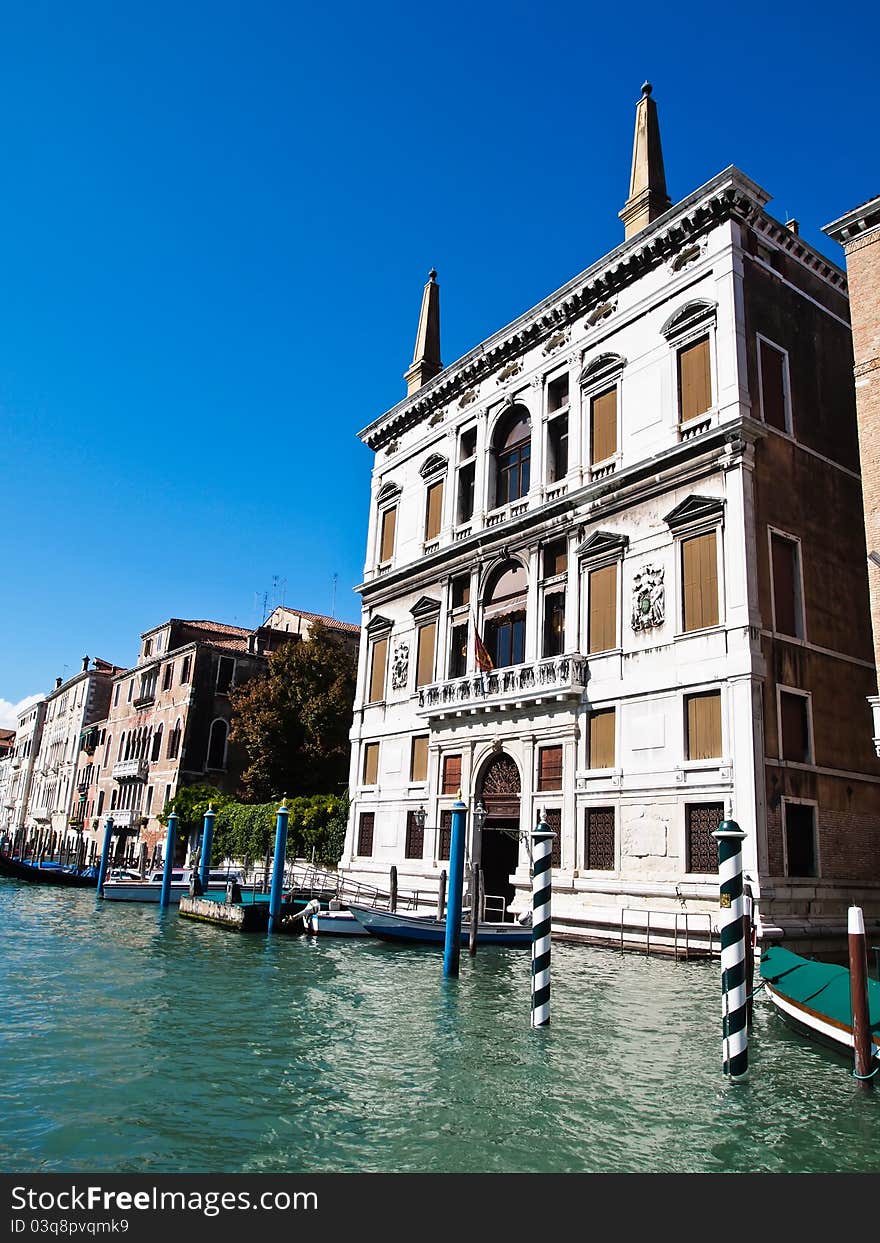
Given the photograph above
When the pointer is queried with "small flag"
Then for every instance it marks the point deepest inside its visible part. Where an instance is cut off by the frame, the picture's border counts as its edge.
(484, 660)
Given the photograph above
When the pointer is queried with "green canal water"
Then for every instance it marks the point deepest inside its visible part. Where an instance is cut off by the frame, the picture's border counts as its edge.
(142, 1043)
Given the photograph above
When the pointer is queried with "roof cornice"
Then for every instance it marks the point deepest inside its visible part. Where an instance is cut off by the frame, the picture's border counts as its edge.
(729, 194)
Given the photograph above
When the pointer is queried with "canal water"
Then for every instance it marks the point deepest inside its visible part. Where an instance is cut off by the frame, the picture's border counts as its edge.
(139, 1042)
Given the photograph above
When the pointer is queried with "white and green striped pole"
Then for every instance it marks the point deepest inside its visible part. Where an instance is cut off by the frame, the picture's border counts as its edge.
(542, 848)
(734, 1001)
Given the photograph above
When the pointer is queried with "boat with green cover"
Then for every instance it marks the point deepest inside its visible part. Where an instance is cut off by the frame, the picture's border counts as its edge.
(814, 998)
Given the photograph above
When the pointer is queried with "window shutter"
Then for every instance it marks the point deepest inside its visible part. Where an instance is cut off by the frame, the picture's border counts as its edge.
(434, 510)
(603, 417)
(377, 670)
(602, 738)
(694, 381)
(603, 609)
(700, 581)
(704, 726)
(415, 838)
(550, 768)
(365, 833)
(783, 552)
(451, 774)
(444, 843)
(773, 386)
(795, 730)
(425, 661)
(371, 763)
(418, 768)
(386, 544)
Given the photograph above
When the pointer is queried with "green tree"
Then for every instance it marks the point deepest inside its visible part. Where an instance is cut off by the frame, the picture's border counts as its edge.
(190, 804)
(294, 720)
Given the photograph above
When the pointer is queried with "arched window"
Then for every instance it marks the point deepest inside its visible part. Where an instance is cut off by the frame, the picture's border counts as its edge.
(512, 454)
(504, 612)
(174, 741)
(217, 745)
(157, 744)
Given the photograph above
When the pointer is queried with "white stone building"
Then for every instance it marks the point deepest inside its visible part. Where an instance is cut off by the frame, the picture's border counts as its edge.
(635, 495)
(28, 733)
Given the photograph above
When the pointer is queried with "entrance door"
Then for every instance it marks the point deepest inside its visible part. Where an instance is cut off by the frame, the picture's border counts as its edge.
(499, 790)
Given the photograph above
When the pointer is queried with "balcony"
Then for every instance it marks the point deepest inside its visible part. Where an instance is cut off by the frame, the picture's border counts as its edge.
(144, 700)
(556, 678)
(130, 770)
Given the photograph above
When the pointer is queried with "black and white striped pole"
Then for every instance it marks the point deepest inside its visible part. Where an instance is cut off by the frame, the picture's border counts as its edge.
(542, 849)
(734, 1002)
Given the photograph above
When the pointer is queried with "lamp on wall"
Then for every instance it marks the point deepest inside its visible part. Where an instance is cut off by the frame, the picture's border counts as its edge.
(420, 817)
(479, 816)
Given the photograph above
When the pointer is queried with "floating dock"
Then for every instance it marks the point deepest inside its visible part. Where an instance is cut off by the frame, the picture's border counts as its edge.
(249, 915)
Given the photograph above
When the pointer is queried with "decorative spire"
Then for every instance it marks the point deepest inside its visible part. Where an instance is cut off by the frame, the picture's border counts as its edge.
(426, 356)
(647, 184)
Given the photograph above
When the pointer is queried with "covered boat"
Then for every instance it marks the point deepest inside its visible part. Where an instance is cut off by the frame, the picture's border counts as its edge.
(127, 889)
(814, 998)
(425, 928)
(47, 873)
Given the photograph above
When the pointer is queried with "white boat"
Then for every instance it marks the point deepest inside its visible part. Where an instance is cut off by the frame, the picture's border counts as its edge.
(126, 889)
(336, 922)
(416, 926)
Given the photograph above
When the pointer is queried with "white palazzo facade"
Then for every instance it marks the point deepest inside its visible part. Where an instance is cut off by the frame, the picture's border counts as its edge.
(581, 490)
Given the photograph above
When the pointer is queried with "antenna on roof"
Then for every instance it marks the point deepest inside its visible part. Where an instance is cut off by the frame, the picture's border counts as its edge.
(333, 582)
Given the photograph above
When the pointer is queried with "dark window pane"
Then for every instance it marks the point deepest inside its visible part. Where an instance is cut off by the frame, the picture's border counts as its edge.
(702, 819)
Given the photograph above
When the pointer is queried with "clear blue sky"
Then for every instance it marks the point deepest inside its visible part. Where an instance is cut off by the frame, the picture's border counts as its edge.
(216, 224)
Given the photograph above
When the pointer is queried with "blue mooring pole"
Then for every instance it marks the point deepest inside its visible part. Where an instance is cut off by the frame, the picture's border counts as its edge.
(170, 841)
(542, 851)
(734, 1002)
(105, 855)
(207, 835)
(278, 865)
(452, 946)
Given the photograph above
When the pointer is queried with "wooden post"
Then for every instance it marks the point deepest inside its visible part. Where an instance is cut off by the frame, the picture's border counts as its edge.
(105, 855)
(749, 939)
(392, 897)
(734, 1026)
(452, 939)
(207, 838)
(475, 908)
(858, 995)
(542, 850)
(441, 895)
(278, 868)
(168, 862)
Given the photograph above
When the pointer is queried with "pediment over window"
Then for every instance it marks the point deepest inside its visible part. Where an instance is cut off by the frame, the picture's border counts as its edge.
(434, 465)
(378, 624)
(694, 314)
(425, 607)
(695, 509)
(388, 492)
(604, 367)
(602, 544)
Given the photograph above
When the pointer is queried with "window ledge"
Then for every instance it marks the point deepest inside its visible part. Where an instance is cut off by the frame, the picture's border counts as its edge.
(608, 651)
(716, 761)
(720, 628)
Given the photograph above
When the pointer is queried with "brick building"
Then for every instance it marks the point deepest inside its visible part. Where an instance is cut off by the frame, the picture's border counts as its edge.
(859, 234)
(644, 497)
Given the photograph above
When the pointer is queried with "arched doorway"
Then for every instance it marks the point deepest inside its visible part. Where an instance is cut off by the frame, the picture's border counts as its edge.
(499, 790)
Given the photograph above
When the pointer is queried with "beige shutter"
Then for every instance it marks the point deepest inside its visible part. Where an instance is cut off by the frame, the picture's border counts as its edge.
(371, 763)
(425, 660)
(699, 575)
(377, 670)
(451, 774)
(795, 729)
(704, 726)
(434, 510)
(386, 544)
(603, 420)
(603, 609)
(418, 768)
(694, 380)
(602, 738)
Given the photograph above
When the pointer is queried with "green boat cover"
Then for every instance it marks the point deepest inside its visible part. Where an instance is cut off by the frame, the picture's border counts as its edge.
(822, 986)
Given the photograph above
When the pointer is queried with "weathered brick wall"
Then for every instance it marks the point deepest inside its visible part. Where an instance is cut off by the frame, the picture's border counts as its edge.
(863, 269)
(848, 823)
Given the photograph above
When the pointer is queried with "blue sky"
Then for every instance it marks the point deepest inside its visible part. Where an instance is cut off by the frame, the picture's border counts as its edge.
(216, 224)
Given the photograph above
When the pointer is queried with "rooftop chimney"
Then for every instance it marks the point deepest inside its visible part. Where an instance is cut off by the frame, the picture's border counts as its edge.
(58, 682)
(647, 183)
(793, 227)
(85, 663)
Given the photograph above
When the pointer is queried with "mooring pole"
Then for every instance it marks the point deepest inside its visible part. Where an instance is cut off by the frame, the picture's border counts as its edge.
(441, 894)
(749, 942)
(278, 866)
(734, 1007)
(207, 836)
(452, 947)
(392, 892)
(168, 862)
(105, 855)
(542, 850)
(475, 908)
(858, 996)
